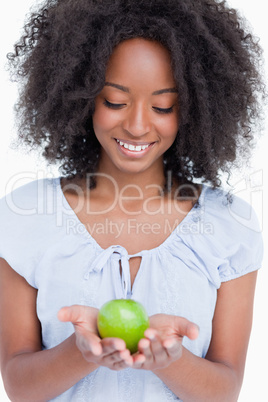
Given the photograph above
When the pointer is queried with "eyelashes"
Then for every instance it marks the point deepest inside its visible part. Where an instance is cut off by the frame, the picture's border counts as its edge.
(164, 111)
(113, 105)
(117, 106)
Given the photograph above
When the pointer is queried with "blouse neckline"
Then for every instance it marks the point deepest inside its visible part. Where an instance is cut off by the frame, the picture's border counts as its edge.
(192, 216)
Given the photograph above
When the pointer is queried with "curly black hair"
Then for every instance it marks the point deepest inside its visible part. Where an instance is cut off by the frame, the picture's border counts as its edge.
(61, 60)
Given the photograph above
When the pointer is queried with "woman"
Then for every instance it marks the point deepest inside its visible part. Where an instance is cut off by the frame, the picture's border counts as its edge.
(141, 102)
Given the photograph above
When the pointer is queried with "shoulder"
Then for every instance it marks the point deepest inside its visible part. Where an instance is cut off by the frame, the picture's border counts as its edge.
(27, 205)
(28, 208)
(30, 198)
(228, 211)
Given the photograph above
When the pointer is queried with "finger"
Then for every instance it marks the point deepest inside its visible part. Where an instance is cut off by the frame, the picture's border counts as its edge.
(144, 354)
(125, 360)
(125, 356)
(159, 353)
(145, 348)
(73, 314)
(89, 343)
(184, 327)
(192, 331)
(113, 344)
(117, 360)
(138, 361)
(173, 348)
(86, 341)
(119, 356)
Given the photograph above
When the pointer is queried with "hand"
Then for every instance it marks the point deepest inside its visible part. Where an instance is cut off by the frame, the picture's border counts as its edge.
(162, 344)
(108, 352)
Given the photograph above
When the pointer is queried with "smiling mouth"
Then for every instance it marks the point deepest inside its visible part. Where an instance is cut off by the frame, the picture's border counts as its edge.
(132, 147)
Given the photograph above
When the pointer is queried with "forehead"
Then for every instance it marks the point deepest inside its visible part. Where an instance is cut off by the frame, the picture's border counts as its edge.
(140, 58)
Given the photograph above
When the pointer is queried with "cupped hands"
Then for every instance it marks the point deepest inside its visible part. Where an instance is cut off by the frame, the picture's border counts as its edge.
(161, 345)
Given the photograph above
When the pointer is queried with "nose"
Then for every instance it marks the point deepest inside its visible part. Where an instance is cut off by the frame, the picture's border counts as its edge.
(137, 122)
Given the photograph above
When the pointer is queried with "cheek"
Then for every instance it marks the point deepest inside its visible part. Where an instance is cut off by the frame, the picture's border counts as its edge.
(103, 120)
(100, 123)
(169, 128)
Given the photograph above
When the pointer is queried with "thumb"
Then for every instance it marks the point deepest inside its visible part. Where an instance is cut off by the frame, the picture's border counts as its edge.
(74, 314)
(87, 338)
(186, 328)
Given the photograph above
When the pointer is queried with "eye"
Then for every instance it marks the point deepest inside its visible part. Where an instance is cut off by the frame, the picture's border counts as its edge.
(163, 111)
(113, 105)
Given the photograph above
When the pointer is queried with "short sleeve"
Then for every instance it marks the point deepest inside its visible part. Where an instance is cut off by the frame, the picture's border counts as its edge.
(23, 228)
(243, 245)
(225, 240)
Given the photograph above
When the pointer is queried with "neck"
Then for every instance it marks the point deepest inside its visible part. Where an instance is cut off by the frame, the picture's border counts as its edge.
(147, 183)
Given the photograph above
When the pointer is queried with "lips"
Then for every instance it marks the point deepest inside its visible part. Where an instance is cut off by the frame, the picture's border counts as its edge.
(133, 149)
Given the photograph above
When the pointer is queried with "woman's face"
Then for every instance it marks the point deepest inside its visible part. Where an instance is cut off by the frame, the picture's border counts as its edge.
(136, 113)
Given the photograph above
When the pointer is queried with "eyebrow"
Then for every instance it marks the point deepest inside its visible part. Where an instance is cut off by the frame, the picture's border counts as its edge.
(125, 89)
(117, 86)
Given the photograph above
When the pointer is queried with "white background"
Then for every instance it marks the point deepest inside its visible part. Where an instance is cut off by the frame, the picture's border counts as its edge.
(250, 184)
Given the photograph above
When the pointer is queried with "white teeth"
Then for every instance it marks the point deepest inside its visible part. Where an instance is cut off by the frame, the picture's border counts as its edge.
(131, 147)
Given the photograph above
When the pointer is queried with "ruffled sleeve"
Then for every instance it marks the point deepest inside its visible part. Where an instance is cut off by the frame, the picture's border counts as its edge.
(24, 228)
(241, 239)
(231, 242)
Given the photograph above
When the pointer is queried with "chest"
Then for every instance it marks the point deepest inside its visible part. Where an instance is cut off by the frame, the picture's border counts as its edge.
(134, 226)
(134, 233)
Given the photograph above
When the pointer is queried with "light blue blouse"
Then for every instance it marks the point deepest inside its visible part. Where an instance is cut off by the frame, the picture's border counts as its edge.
(43, 240)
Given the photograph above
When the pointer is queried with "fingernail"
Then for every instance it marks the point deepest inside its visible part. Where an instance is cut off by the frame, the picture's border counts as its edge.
(170, 345)
(139, 362)
(96, 351)
(151, 336)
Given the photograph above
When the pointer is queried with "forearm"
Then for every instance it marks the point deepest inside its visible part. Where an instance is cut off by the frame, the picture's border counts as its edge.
(194, 379)
(43, 375)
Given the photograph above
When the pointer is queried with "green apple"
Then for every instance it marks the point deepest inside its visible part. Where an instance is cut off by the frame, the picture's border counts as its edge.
(123, 318)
